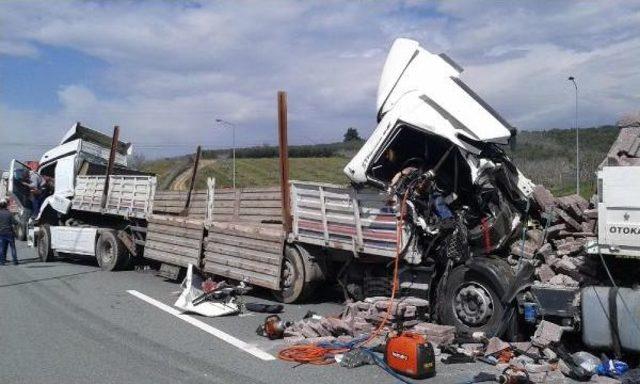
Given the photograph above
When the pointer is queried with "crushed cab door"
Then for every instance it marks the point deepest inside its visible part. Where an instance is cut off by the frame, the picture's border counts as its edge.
(19, 178)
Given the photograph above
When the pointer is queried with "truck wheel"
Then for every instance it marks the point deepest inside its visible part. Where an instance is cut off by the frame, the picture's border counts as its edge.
(110, 251)
(292, 281)
(470, 302)
(45, 253)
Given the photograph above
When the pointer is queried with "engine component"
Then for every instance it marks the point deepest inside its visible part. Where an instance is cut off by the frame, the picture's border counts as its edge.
(555, 301)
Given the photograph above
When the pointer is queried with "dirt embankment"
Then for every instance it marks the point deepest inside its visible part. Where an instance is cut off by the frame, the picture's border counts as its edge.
(181, 182)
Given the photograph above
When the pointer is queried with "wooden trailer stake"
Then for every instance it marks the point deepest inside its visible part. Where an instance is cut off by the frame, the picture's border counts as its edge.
(185, 211)
(284, 161)
(112, 159)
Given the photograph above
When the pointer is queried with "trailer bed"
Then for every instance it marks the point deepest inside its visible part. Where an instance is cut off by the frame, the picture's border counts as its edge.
(238, 234)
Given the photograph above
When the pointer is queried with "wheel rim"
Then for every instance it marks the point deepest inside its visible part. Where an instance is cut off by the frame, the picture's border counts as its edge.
(473, 304)
(107, 253)
(288, 274)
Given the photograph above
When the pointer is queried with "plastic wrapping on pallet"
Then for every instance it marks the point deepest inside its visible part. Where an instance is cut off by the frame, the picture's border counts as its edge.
(191, 290)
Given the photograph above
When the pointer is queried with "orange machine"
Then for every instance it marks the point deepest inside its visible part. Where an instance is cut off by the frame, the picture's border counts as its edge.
(410, 355)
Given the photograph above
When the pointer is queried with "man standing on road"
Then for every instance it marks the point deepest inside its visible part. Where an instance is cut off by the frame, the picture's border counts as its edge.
(7, 237)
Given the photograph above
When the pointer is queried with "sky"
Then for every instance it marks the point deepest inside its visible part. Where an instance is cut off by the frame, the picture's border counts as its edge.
(164, 71)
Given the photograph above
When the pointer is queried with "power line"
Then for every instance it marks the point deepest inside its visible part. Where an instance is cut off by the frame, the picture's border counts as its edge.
(135, 145)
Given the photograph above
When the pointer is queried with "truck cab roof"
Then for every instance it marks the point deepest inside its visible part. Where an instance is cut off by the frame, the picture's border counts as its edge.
(91, 142)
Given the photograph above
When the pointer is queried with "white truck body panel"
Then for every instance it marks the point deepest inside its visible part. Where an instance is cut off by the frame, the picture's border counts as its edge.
(340, 217)
(60, 151)
(76, 240)
(619, 211)
(65, 176)
(102, 153)
(59, 203)
(81, 146)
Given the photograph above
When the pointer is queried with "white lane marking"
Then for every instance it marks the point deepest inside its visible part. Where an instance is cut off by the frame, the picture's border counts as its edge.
(255, 351)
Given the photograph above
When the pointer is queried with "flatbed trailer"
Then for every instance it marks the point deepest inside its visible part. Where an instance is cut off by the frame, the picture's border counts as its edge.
(239, 234)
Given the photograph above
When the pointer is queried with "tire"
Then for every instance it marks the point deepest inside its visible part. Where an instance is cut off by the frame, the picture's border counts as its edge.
(470, 302)
(45, 253)
(293, 287)
(111, 252)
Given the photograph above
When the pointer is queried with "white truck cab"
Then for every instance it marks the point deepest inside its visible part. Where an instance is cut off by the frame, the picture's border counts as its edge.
(422, 104)
(82, 151)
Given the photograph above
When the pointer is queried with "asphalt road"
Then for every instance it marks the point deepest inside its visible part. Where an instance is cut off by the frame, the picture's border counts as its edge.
(70, 322)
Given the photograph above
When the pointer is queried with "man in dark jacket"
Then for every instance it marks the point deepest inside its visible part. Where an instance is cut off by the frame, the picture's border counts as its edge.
(7, 237)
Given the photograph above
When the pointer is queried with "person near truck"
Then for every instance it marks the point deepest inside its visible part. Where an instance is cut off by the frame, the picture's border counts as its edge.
(7, 237)
(36, 185)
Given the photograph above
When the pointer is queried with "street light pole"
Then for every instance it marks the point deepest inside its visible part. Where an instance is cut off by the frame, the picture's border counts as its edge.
(233, 134)
(573, 80)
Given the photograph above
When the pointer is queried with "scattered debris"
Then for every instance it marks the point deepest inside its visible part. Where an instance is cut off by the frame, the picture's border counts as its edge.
(273, 327)
(264, 308)
(546, 334)
(194, 299)
(495, 346)
(586, 360)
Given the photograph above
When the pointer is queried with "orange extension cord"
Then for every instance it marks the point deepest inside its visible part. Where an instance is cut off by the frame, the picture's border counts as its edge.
(317, 355)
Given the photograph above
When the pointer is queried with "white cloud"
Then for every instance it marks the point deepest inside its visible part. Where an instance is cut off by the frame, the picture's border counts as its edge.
(77, 98)
(172, 67)
(17, 48)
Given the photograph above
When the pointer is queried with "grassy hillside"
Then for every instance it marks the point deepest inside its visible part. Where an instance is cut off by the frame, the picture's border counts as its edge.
(546, 157)
(264, 171)
(549, 157)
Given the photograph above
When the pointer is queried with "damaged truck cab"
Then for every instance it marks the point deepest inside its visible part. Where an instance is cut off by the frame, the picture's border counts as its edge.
(436, 151)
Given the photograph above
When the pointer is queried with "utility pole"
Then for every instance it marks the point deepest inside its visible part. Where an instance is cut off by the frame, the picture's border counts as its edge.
(573, 80)
(233, 129)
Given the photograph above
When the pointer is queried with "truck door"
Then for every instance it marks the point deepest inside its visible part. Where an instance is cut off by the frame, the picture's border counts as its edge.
(18, 175)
